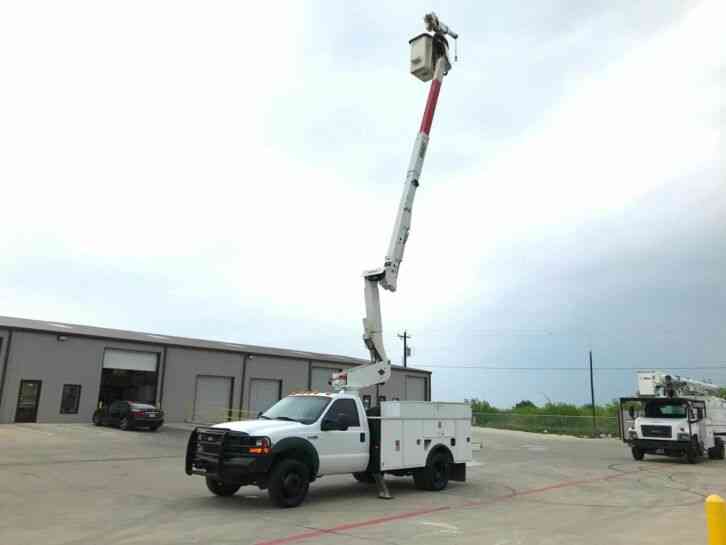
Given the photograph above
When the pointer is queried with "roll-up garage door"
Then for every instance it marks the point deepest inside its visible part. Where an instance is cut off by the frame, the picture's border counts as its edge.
(416, 388)
(320, 377)
(264, 393)
(213, 399)
(129, 360)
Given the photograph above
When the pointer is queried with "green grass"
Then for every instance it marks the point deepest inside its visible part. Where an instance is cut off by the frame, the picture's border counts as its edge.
(550, 423)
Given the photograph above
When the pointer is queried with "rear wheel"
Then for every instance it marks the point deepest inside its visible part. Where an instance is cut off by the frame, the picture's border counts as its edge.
(717, 452)
(125, 424)
(155, 427)
(219, 488)
(97, 419)
(435, 476)
(637, 454)
(289, 483)
(364, 477)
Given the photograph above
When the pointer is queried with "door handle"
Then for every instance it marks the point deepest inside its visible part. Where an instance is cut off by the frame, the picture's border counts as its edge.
(362, 437)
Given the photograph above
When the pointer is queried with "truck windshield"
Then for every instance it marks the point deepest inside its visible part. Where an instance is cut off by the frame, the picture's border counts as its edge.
(665, 409)
(305, 409)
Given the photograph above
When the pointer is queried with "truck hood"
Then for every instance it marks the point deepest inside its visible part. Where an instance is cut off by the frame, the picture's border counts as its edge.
(269, 428)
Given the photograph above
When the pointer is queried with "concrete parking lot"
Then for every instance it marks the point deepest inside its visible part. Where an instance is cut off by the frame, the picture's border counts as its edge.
(76, 484)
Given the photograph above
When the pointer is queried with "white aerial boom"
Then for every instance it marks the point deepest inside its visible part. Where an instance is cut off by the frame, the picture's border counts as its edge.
(657, 384)
(429, 61)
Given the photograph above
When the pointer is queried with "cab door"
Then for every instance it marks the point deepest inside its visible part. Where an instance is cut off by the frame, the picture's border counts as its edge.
(697, 422)
(343, 451)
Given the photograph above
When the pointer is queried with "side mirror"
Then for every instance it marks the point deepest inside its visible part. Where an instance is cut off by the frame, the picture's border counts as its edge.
(259, 414)
(631, 412)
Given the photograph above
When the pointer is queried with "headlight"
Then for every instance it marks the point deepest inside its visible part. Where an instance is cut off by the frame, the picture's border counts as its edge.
(684, 437)
(632, 433)
(263, 445)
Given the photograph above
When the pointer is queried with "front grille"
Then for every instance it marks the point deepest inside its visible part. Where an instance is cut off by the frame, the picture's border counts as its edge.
(657, 431)
(210, 442)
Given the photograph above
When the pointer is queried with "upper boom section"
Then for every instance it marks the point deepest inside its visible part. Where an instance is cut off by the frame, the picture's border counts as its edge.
(402, 225)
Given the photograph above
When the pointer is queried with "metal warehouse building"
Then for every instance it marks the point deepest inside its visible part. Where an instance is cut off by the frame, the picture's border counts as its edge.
(58, 372)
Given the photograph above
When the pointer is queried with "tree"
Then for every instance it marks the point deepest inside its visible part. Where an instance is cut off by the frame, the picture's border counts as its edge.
(525, 404)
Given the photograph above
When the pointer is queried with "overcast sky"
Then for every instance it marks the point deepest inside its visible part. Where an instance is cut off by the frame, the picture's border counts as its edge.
(227, 170)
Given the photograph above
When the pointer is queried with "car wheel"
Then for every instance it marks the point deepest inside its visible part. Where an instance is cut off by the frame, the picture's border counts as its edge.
(97, 420)
(364, 477)
(289, 483)
(125, 424)
(435, 476)
(219, 488)
(637, 454)
(156, 427)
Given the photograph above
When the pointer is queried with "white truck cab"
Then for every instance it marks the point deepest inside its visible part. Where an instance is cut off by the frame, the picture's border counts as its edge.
(306, 436)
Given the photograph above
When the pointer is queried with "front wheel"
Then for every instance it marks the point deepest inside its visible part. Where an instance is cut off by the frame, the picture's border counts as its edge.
(637, 454)
(289, 483)
(219, 488)
(435, 476)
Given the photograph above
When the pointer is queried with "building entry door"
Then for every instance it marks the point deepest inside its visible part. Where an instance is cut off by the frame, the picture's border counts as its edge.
(28, 399)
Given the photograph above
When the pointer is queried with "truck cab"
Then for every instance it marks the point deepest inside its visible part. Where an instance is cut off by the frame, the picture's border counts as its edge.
(671, 427)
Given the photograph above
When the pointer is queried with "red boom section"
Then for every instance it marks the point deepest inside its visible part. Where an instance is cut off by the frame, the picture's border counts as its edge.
(428, 116)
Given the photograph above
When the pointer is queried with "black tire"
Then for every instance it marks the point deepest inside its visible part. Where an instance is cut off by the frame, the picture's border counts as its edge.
(125, 424)
(364, 477)
(155, 427)
(289, 482)
(691, 455)
(97, 420)
(219, 488)
(717, 452)
(638, 454)
(435, 476)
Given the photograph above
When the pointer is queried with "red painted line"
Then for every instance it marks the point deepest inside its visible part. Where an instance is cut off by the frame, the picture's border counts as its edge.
(411, 514)
(428, 116)
(351, 526)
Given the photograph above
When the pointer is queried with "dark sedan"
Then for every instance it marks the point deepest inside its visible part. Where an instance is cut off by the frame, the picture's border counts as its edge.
(128, 415)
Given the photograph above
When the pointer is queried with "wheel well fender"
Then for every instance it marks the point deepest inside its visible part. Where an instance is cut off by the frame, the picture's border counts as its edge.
(437, 449)
(298, 449)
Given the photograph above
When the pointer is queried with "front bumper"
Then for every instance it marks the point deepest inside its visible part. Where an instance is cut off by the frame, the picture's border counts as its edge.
(219, 454)
(652, 445)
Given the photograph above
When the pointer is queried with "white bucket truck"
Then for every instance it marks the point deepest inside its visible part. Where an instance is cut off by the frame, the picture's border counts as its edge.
(306, 436)
(674, 416)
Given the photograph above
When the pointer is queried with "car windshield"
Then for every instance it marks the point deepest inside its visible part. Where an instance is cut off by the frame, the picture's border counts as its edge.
(672, 409)
(305, 409)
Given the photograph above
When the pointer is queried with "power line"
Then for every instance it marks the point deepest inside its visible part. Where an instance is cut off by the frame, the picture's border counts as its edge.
(581, 369)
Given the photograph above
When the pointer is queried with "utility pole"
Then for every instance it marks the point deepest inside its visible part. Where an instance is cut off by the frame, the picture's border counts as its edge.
(406, 350)
(592, 399)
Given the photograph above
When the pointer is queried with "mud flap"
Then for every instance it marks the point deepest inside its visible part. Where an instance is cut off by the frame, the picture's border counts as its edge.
(457, 472)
